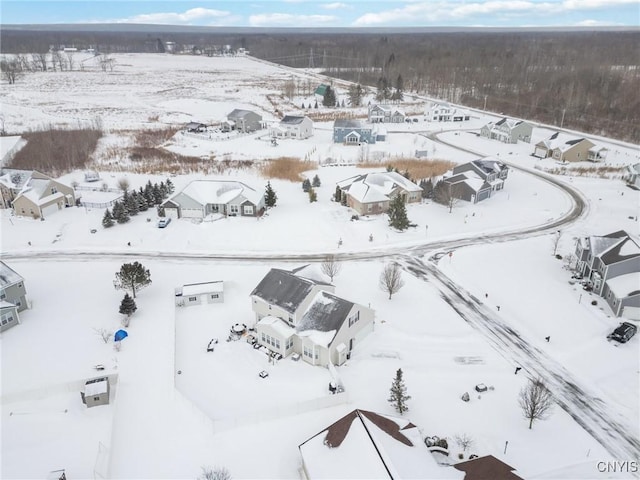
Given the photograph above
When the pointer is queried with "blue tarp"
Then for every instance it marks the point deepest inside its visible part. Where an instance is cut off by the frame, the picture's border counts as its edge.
(120, 334)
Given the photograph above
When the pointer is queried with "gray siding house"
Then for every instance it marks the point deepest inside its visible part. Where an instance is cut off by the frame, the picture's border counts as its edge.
(244, 121)
(353, 132)
(13, 297)
(476, 180)
(385, 114)
(508, 130)
(611, 263)
(296, 314)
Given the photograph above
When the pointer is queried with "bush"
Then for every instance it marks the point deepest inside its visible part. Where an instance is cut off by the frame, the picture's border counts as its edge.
(594, 302)
(559, 257)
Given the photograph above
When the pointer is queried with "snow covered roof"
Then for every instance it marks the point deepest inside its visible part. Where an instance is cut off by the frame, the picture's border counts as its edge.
(240, 113)
(14, 179)
(284, 330)
(96, 386)
(285, 289)
(8, 276)
(204, 287)
(483, 468)
(5, 304)
(220, 191)
(622, 250)
(365, 444)
(625, 285)
(325, 313)
(376, 187)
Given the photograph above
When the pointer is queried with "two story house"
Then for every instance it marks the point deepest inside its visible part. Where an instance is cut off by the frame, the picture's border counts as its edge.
(41, 196)
(566, 148)
(476, 180)
(293, 126)
(371, 193)
(13, 297)
(296, 314)
(244, 121)
(443, 112)
(508, 130)
(612, 264)
(385, 114)
(353, 132)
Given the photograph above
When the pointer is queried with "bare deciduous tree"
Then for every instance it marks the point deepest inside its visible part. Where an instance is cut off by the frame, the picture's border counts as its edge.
(214, 473)
(10, 70)
(390, 279)
(446, 194)
(330, 266)
(464, 441)
(104, 333)
(535, 401)
(123, 184)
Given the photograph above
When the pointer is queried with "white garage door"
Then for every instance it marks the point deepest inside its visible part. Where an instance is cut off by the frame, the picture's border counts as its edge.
(632, 313)
(171, 212)
(191, 213)
(48, 210)
(540, 152)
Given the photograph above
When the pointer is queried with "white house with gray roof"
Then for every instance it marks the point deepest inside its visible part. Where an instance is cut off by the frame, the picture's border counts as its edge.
(297, 314)
(370, 194)
(201, 198)
(293, 126)
(244, 121)
(13, 297)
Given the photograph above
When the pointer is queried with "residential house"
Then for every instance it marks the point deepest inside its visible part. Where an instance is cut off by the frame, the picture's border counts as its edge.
(566, 148)
(244, 121)
(13, 297)
(385, 114)
(508, 130)
(601, 259)
(487, 467)
(632, 175)
(370, 194)
(12, 182)
(597, 153)
(364, 444)
(297, 314)
(443, 112)
(353, 132)
(41, 196)
(200, 293)
(293, 126)
(195, 127)
(476, 180)
(96, 392)
(201, 198)
(622, 293)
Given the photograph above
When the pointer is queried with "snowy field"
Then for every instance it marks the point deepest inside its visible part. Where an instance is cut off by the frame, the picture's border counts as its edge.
(218, 411)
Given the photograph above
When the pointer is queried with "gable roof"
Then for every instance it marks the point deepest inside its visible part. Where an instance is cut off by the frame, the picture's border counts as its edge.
(365, 444)
(241, 113)
(285, 289)
(376, 187)
(621, 250)
(349, 123)
(35, 189)
(8, 276)
(292, 120)
(15, 179)
(218, 192)
(627, 285)
(485, 468)
(326, 313)
(321, 89)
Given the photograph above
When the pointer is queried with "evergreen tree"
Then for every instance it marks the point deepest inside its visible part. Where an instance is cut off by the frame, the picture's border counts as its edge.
(399, 92)
(355, 95)
(131, 203)
(107, 220)
(302, 107)
(142, 201)
(398, 394)
(316, 104)
(329, 99)
(170, 187)
(384, 92)
(306, 185)
(157, 194)
(164, 190)
(313, 196)
(316, 181)
(132, 277)
(128, 305)
(120, 212)
(337, 196)
(398, 214)
(427, 190)
(270, 196)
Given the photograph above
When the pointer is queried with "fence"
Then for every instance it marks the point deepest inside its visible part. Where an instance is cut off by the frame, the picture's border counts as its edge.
(100, 205)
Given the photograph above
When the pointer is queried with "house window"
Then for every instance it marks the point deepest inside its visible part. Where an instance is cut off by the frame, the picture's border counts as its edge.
(3, 295)
(289, 343)
(263, 337)
(277, 344)
(269, 307)
(248, 209)
(96, 399)
(7, 318)
(233, 209)
(307, 352)
(215, 295)
(369, 208)
(193, 299)
(354, 318)
(54, 190)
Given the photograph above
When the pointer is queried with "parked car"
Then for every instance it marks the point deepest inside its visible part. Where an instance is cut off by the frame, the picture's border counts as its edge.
(623, 332)
(163, 222)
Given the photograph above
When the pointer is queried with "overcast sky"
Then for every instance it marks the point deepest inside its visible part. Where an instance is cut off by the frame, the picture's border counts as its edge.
(318, 13)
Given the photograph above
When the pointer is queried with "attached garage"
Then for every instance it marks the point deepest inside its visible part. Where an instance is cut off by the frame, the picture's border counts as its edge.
(49, 209)
(192, 213)
(540, 152)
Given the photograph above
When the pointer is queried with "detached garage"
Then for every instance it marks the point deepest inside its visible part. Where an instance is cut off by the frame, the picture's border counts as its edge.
(200, 293)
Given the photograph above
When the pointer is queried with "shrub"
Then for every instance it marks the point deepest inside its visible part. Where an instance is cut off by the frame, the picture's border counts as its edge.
(594, 302)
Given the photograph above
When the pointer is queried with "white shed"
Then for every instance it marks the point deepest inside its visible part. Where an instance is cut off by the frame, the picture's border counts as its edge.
(200, 293)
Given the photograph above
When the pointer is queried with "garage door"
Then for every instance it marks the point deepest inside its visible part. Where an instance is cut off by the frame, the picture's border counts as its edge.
(48, 210)
(632, 313)
(540, 152)
(171, 212)
(191, 213)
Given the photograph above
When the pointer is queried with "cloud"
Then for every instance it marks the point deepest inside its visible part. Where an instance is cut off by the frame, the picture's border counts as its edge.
(290, 20)
(454, 11)
(194, 15)
(596, 23)
(335, 6)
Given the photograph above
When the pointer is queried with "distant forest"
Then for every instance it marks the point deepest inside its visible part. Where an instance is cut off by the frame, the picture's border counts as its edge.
(583, 80)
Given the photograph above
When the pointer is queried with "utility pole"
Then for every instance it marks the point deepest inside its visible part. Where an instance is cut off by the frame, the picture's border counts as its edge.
(562, 121)
(485, 103)
(311, 64)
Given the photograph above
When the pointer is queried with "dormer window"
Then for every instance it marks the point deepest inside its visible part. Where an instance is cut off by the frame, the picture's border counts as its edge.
(54, 190)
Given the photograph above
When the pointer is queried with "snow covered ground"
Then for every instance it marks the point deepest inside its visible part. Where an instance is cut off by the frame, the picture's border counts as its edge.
(218, 411)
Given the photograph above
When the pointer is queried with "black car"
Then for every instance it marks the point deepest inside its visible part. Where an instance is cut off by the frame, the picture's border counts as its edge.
(623, 332)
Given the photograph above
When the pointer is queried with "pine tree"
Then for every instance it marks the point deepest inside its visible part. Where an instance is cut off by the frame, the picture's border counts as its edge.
(306, 185)
(120, 213)
(164, 190)
(355, 95)
(316, 104)
(398, 394)
(398, 214)
(329, 99)
(316, 181)
(128, 305)
(313, 196)
(302, 107)
(142, 201)
(133, 277)
(157, 195)
(107, 220)
(131, 203)
(170, 186)
(337, 196)
(427, 189)
(270, 197)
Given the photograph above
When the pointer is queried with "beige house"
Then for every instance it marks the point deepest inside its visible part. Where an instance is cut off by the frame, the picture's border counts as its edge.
(296, 314)
(41, 196)
(11, 183)
(566, 148)
(370, 194)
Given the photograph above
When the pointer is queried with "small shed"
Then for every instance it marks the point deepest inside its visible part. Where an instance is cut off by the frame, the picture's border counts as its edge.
(195, 127)
(200, 293)
(96, 392)
(91, 176)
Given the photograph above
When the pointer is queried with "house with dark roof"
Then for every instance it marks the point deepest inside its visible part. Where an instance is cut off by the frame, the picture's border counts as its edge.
(293, 126)
(567, 148)
(41, 196)
(508, 130)
(364, 444)
(370, 194)
(297, 314)
(353, 132)
(487, 468)
(202, 198)
(13, 297)
(195, 127)
(632, 176)
(612, 264)
(385, 114)
(476, 180)
(244, 121)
